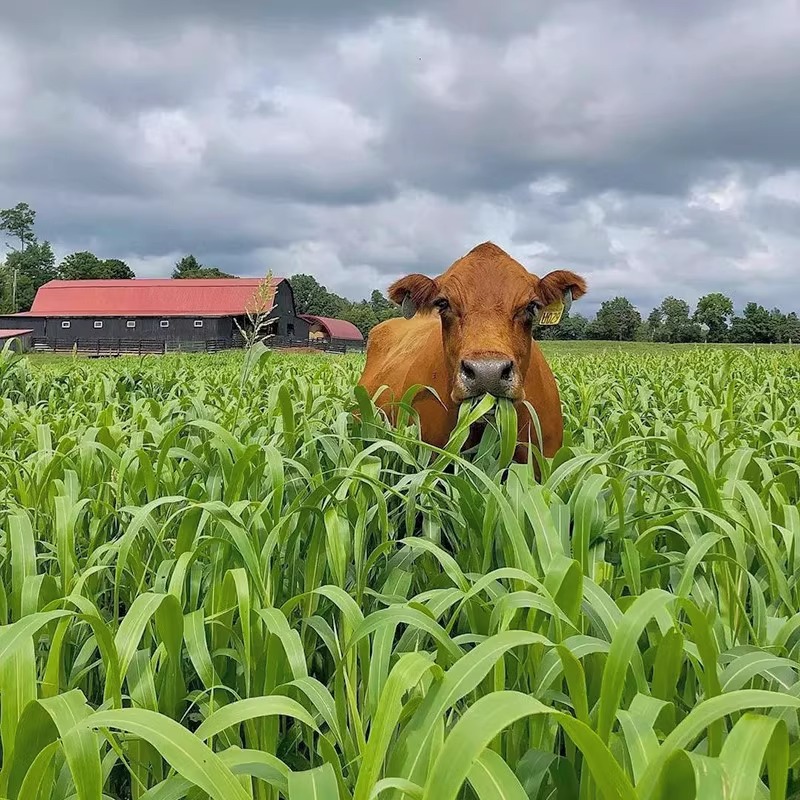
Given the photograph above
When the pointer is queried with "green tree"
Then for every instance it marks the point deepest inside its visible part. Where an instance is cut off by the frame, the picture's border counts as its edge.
(209, 272)
(755, 326)
(79, 266)
(655, 325)
(333, 306)
(677, 325)
(115, 268)
(28, 266)
(18, 222)
(86, 266)
(28, 269)
(573, 327)
(715, 311)
(310, 297)
(188, 264)
(784, 327)
(791, 330)
(308, 293)
(362, 315)
(616, 319)
(190, 267)
(383, 307)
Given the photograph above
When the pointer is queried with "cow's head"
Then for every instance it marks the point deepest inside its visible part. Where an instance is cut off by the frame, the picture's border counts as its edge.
(488, 304)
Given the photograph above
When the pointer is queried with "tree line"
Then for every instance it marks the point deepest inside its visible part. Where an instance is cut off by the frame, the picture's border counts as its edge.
(31, 263)
(673, 321)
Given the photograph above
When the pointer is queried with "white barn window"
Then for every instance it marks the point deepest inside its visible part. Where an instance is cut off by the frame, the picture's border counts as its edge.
(131, 323)
(198, 323)
(98, 323)
(65, 323)
(164, 323)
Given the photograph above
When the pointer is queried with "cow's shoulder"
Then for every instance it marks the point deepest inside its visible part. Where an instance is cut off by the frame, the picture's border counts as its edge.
(401, 339)
(383, 333)
(403, 352)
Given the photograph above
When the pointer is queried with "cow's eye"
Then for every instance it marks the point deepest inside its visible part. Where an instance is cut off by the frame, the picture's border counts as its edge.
(533, 307)
(441, 303)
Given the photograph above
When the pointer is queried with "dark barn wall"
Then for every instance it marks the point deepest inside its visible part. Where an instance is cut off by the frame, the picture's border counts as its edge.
(287, 315)
(36, 324)
(181, 329)
(285, 326)
(288, 324)
(300, 329)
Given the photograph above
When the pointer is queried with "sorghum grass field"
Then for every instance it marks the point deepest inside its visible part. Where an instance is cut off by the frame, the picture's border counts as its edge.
(217, 581)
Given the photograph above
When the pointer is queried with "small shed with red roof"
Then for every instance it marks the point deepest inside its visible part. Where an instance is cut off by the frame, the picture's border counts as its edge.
(331, 330)
(15, 339)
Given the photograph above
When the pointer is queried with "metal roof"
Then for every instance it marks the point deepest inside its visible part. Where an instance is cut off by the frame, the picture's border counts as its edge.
(160, 297)
(10, 333)
(336, 328)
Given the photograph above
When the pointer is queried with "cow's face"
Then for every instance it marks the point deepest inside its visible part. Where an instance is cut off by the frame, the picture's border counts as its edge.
(488, 304)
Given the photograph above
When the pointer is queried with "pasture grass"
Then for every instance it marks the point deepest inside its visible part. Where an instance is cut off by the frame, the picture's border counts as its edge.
(217, 581)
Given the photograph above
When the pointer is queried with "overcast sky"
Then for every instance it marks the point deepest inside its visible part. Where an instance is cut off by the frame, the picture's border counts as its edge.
(652, 147)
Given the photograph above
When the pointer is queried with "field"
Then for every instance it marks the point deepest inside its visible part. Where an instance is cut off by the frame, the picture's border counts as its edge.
(216, 581)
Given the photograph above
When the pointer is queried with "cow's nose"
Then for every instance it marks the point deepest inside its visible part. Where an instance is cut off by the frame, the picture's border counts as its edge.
(487, 376)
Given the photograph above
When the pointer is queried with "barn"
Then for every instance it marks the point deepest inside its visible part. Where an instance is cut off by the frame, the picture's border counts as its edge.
(155, 314)
(327, 329)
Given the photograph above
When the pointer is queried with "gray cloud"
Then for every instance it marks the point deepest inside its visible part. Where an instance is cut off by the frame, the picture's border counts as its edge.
(656, 152)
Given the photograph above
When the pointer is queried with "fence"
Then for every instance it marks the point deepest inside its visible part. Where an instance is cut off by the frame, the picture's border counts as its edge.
(119, 347)
(328, 346)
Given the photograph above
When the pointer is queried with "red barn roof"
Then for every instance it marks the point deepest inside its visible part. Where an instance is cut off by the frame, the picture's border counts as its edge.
(161, 297)
(336, 328)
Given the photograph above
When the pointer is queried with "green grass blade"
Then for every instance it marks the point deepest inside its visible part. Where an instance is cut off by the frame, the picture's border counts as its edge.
(185, 752)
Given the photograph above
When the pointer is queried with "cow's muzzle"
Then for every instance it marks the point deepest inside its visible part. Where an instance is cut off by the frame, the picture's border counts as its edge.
(495, 376)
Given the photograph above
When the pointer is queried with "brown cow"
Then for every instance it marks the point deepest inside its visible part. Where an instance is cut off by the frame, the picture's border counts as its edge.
(468, 333)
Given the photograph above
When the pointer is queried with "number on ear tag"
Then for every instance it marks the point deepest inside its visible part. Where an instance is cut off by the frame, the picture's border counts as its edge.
(552, 314)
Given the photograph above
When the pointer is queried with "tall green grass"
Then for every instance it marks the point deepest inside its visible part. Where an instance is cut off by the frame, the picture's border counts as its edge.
(217, 581)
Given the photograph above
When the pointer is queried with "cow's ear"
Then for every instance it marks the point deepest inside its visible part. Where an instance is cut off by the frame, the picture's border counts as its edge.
(555, 285)
(413, 293)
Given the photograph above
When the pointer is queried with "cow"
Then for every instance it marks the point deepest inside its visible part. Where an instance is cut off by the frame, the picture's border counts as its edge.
(467, 333)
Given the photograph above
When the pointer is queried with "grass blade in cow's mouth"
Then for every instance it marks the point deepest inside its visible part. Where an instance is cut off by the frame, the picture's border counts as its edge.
(506, 419)
(490, 419)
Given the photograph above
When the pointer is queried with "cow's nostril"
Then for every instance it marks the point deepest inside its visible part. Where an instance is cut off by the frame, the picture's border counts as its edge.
(487, 376)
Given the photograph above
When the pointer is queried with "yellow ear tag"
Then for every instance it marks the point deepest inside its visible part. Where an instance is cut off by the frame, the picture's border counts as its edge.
(551, 314)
